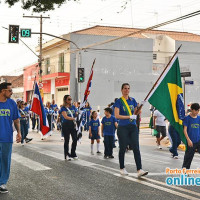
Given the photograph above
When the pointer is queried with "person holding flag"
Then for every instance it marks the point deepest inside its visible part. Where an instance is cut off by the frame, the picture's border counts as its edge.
(69, 113)
(127, 132)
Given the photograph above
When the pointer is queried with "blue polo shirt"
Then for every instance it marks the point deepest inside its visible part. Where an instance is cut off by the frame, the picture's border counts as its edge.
(8, 113)
(122, 111)
(109, 125)
(94, 124)
(193, 128)
(88, 110)
(73, 111)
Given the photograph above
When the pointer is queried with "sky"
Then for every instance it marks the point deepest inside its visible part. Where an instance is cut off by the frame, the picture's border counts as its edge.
(73, 16)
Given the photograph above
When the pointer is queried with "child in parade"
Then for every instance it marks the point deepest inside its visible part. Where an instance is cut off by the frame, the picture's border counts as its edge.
(191, 125)
(94, 131)
(109, 123)
(23, 122)
(88, 111)
(50, 115)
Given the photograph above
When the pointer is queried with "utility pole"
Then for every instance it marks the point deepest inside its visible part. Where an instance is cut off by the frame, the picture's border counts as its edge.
(40, 56)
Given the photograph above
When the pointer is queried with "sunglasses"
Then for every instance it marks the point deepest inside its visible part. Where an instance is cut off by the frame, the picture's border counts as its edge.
(10, 90)
(69, 99)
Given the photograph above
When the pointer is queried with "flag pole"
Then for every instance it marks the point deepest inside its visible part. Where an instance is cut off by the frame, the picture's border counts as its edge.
(140, 107)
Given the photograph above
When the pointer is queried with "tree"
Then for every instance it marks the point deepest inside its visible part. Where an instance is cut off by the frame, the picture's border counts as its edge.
(38, 5)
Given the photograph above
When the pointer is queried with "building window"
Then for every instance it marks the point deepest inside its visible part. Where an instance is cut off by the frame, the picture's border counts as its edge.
(61, 63)
(47, 66)
(154, 56)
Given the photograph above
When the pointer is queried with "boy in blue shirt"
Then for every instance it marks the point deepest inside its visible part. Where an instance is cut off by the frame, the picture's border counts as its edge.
(192, 133)
(109, 123)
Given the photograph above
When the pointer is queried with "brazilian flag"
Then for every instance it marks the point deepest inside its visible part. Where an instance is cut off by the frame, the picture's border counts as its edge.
(167, 96)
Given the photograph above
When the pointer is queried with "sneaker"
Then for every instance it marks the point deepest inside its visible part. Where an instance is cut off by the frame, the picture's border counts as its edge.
(123, 172)
(106, 157)
(69, 158)
(62, 138)
(75, 157)
(92, 153)
(22, 144)
(142, 173)
(111, 156)
(159, 147)
(175, 157)
(3, 189)
(27, 140)
(98, 152)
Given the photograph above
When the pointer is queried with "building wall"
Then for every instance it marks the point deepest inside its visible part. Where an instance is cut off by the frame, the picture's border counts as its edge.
(189, 58)
(112, 68)
(53, 54)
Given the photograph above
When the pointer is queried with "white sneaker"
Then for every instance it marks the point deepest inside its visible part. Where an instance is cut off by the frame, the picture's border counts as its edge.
(159, 147)
(175, 157)
(69, 158)
(62, 138)
(75, 157)
(142, 173)
(123, 172)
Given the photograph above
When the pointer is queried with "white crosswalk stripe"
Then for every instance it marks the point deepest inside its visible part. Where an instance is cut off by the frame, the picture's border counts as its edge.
(36, 166)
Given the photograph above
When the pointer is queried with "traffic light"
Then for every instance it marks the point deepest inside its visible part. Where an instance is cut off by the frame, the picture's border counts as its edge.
(13, 34)
(81, 75)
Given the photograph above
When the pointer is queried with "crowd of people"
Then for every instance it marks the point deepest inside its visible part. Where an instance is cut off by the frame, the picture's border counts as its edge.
(121, 116)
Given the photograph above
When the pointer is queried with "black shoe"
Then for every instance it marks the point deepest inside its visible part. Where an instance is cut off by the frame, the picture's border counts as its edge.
(98, 152)
(3, 189)
(28, 140)
(111, 156)
(106, 157)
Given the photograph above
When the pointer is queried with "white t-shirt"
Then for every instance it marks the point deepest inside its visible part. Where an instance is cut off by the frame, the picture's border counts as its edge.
(160, 118)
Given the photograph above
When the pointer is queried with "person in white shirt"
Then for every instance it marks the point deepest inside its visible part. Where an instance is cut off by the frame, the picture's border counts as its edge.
(159, 125)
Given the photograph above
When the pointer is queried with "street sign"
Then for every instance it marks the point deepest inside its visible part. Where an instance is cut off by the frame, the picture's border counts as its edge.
(26, 33)
(185, 74)
(187, 82)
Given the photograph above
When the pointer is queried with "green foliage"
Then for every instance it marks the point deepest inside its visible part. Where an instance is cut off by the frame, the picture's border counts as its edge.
(38, 5)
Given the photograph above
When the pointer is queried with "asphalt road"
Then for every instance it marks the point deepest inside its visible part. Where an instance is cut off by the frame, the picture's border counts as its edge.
(39, 172)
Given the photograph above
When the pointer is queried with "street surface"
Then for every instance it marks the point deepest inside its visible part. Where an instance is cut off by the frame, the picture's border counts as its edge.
(39, 172)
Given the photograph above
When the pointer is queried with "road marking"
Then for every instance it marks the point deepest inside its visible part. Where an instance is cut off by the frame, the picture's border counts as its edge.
(132, 176)
(59, 156)
(158, 187)
(29, 163)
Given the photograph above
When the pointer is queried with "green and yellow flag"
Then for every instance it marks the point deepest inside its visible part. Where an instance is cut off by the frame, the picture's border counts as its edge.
(167, 96)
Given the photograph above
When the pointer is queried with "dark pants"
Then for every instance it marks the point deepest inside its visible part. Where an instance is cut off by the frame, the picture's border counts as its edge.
(176, 140)
(129, 135)
(189, 154)
(108, 145)
(24, 129)
(34, 120)
(68, 128)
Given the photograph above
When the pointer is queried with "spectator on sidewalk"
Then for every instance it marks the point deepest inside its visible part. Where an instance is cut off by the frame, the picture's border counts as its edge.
(159, 125)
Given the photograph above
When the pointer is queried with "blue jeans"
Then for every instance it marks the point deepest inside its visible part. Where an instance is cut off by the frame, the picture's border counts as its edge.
(108, 145)
(129, 135)
(5, 162)
(176, 140)
(24, 129)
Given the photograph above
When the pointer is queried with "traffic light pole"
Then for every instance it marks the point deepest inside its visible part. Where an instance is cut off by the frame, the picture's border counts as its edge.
(40, 56)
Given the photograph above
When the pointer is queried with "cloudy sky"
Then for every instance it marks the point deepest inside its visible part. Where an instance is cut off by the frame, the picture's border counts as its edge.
(73, 16)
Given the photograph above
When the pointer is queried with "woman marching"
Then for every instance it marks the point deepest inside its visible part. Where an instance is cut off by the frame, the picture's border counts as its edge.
(69, 112)
(127, 132)
(50, 115)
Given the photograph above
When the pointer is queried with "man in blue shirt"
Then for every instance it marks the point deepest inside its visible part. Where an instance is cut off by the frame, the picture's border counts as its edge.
(192, 133)
(8, 115)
